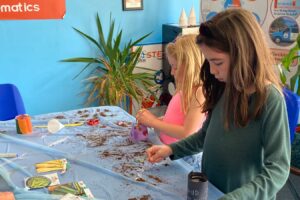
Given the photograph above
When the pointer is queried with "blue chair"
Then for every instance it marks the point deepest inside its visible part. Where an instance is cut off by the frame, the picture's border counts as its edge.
(11, 103)
(292, 103)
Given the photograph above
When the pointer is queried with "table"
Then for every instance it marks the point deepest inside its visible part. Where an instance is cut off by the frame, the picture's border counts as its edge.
(102, 156)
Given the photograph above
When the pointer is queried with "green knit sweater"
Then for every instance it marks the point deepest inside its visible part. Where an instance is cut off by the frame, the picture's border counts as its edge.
(245, 163)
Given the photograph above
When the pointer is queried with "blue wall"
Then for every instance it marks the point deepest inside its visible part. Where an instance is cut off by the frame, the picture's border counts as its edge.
(30, 50)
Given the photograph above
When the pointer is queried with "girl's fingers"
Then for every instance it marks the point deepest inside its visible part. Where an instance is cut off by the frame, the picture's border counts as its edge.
(152, 153)
(157, 157)
(157, 160)
(155, 154)
(139, 113)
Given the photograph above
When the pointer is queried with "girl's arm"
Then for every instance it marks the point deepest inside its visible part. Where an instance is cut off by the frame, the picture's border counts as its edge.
(193, 119)
(146, 118)
(276, 166)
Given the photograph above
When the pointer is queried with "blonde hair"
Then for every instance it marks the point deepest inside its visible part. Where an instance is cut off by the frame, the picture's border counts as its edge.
(237, 32)
(189, 61)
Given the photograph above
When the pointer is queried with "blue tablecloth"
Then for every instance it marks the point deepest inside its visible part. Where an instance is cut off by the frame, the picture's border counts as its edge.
(101, 156)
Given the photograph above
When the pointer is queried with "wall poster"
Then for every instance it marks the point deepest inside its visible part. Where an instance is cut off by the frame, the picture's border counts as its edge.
(278, 18)
(32, 9)
(151, 57)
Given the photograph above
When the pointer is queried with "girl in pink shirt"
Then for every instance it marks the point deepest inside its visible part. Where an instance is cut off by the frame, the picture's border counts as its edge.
(183, 116)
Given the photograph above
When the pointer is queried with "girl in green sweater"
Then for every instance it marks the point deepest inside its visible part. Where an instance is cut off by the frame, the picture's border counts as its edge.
(245, 139)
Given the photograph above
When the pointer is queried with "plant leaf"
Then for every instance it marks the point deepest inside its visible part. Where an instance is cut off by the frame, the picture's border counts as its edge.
(112, 81)
(89, 38)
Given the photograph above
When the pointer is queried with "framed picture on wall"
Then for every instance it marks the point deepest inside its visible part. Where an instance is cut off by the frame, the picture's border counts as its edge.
(132, 4)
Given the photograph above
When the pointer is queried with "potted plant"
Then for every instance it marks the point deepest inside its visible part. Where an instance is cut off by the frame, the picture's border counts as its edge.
(112, 80)
(284, 69)
(292, 97)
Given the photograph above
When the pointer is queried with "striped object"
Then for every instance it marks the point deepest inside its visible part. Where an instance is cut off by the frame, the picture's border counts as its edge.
(7, 195)
(23, 124)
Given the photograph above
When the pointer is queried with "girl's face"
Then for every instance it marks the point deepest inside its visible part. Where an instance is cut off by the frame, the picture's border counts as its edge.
(219, 62)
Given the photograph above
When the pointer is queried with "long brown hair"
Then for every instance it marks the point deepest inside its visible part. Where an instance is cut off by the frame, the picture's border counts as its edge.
(236, 32)
(189, 61)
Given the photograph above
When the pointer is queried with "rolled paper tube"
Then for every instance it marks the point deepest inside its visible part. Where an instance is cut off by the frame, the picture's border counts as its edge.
(7, 195)
(23, 124)
(197, 186)
(8, 155)
(67, 125)
(75, 124)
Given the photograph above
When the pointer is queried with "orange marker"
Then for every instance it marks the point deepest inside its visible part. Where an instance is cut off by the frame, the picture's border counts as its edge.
(7, 195)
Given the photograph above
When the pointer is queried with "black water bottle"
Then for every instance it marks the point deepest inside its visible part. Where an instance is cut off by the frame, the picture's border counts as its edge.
(197, 186)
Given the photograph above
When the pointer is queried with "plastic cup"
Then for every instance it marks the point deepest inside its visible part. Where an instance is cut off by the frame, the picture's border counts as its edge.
(197, 186)
(138, 132)
(23, 124)
(54, 126)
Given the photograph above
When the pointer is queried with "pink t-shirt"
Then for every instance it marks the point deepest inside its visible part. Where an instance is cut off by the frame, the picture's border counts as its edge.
(173, 115)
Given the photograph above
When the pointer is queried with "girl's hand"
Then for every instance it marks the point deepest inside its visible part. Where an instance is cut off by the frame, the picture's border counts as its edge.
(145, 117)
(157, 153)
